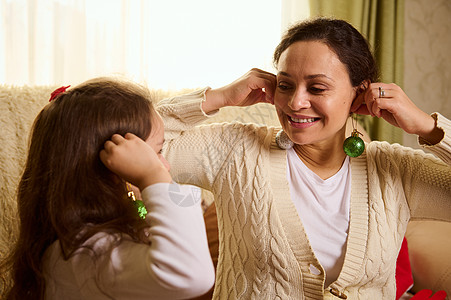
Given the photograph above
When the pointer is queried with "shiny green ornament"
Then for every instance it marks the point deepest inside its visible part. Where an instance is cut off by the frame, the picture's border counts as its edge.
(138, 204)
(354, 146)
(140, 208)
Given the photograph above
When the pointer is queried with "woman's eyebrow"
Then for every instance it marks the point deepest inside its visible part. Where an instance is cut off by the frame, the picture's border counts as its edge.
(313, 76)
(284, 74)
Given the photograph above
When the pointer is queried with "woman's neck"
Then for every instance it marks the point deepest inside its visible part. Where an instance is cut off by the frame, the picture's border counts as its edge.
(324, 159)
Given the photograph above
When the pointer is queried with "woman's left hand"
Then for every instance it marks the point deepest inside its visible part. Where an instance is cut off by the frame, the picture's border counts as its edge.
(388, 101)
(255, 86)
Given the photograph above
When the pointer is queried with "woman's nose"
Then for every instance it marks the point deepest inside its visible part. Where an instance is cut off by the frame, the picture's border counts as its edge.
(300, 99)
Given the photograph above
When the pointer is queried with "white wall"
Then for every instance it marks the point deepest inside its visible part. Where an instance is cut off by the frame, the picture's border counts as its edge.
(427, 57)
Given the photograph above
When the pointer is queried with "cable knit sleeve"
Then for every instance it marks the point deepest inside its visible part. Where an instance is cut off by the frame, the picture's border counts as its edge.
(197, 154)
(181, 113)
(441, 149)
(427, 186)
(428, 180)
(424, 179)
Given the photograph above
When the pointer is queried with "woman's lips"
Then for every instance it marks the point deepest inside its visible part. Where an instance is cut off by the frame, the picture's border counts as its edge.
(302, 122)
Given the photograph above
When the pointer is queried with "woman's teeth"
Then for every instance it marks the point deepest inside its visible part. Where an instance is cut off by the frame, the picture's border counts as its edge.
(308, 120)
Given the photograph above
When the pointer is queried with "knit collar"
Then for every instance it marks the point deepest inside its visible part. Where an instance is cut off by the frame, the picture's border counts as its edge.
(295, 232)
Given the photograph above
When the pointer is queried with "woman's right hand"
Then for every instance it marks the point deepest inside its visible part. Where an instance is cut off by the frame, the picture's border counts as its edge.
(395, 107)
(134, 160)
(255, 86)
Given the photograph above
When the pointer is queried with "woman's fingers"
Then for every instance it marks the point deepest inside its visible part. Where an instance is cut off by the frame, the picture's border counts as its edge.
(376, 98)
(362, 110)
(358, 102)
(390, 102)
(263, 81)
(389, 98)
(253, 87)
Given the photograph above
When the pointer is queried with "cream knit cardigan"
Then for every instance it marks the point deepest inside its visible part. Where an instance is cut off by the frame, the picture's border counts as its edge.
(264, 252)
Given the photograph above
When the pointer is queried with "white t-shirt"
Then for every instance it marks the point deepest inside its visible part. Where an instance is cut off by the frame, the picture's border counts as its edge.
(323, 206)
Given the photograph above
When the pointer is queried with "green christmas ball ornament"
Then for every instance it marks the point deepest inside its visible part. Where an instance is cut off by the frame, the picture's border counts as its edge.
(354, 146)
(138, 204)
(140, 208)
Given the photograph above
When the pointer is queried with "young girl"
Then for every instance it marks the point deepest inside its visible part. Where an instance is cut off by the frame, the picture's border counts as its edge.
(81, 236)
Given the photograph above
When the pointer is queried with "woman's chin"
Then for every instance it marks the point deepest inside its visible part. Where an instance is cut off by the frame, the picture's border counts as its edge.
(296, 138)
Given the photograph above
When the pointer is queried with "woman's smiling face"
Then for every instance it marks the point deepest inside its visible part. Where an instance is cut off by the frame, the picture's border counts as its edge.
(314, 93)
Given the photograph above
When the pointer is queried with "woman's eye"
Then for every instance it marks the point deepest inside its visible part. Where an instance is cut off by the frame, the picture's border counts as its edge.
(317, 90)
(283, 86)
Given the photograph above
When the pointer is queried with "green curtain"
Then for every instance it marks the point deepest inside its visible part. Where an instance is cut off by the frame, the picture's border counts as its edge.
(382, 23)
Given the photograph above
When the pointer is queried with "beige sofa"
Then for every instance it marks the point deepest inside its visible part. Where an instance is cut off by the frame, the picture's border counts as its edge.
(429, 241)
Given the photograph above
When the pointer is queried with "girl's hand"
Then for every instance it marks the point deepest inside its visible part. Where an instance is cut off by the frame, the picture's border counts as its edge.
(134, 160)
(392, 104)
(254, 87)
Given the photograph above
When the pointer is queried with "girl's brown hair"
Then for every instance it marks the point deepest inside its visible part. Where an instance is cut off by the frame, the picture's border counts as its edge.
(66, 193)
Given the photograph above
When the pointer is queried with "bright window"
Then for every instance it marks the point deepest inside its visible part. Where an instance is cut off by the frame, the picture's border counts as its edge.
(211, 42)
(166, 44)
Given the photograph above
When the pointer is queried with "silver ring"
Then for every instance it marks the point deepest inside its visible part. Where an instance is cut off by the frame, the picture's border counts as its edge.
(381, 92)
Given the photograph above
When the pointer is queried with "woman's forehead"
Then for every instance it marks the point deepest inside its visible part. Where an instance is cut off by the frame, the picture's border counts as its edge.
(311, 58)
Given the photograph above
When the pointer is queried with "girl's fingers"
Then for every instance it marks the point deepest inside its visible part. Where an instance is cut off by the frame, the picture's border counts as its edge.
(103, 156)
(130, 136)
(117, 139)
(108, 146)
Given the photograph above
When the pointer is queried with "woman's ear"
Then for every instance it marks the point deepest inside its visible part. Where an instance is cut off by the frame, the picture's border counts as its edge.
(362, 87)
(359, 90)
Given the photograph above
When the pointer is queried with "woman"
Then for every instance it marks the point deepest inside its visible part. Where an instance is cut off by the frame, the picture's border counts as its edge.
(297, 217)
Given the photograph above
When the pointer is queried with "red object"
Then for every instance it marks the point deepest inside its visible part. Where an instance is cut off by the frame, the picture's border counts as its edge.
(404, 278)
(428, 294)
(58, 91)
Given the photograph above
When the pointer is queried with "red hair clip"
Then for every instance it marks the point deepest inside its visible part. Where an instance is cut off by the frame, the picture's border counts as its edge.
(58, 91)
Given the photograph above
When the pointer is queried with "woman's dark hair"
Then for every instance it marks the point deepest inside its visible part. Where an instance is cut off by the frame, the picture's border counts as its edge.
(66, 193)
(350, 46)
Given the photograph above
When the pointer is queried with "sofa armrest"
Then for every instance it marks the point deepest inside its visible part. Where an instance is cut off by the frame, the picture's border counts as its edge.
(430, 255)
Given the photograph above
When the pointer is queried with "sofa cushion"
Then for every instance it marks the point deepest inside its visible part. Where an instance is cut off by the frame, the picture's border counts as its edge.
(429, 250)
